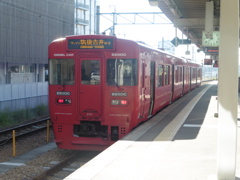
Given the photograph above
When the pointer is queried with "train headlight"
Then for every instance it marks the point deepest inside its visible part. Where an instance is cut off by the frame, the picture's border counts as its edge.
(63, 101)
(123, 102)
(116, 102)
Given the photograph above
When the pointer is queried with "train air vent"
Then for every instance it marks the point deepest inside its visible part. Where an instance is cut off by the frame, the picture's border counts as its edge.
(59, 128)
(123, 130)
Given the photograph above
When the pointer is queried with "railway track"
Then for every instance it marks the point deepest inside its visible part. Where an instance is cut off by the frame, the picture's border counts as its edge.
(22, 130)
(60, 170)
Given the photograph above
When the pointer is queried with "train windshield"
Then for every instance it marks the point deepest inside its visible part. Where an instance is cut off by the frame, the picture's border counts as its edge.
(61, 71)
(90, 72)
(122, 72)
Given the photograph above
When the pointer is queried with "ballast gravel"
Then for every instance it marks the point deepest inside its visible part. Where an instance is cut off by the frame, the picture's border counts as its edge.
(36, 166)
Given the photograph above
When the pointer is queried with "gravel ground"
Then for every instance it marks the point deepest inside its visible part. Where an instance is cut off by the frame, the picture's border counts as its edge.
(36, 166)
(24, 145)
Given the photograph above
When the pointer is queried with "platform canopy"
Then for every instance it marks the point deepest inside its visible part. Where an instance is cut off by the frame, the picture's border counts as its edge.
(189, 16)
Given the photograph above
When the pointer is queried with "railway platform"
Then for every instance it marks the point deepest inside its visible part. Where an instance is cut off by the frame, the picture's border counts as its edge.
(180, 142)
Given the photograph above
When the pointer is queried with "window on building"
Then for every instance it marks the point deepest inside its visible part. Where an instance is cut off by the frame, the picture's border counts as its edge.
(23, 69)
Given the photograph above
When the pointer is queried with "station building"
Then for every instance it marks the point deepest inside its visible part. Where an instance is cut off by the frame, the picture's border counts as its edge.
(26, 29)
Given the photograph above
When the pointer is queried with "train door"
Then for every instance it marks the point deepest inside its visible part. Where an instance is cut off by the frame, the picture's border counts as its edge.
(173, 82)
(90, 91)
(152, 87)
(183, 79)
(190, 78)
(143, 91)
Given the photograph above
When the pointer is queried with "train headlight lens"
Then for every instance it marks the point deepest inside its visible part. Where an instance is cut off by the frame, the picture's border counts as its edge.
(63, 101)
(60, 101)
(123, 102)
(119, 102)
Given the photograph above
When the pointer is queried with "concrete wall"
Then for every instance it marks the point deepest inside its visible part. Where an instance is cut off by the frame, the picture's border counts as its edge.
(28, 26)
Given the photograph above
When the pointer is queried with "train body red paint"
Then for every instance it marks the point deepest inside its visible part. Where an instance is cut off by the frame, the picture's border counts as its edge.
(101, 87)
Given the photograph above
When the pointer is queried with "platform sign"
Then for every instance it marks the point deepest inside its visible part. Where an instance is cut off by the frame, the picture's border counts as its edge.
(208, 61)
(90, 43)
(176, 41)
(211, 50)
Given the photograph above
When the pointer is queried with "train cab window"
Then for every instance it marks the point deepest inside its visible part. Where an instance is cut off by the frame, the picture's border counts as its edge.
(61, 71)
(122, 72)
(167, 75)
(160, 75)
(90, 72)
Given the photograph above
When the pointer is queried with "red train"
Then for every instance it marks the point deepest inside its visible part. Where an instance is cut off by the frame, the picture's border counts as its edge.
(101, 87)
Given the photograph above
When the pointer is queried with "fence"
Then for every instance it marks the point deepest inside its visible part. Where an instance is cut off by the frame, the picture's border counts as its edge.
(209, 73)
(23, 96)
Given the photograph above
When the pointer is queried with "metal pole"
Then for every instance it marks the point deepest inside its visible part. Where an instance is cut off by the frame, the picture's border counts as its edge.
(13, 143)
(48, 131)
(98, 20)
(175, 36)
(227, 89)
(162, 43)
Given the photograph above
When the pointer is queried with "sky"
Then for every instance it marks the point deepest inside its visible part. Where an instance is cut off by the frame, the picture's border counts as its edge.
(150, 34)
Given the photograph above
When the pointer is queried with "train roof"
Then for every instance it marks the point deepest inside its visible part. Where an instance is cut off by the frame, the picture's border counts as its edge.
(140, 43)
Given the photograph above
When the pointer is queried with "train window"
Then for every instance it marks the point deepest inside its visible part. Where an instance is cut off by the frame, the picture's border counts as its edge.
(61, 71)
(180, 74)
(176, 73)
(122, 72)
(166, 75)
(160, 75)
(90, 72)
(193, 72)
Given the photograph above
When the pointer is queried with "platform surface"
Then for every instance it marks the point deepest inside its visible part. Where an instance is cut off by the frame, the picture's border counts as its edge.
(179, 143)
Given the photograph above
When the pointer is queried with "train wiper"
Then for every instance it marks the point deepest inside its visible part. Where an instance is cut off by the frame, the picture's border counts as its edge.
(63, 86)
(119, 88)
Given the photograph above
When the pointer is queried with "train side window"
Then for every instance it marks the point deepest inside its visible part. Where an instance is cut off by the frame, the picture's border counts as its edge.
(122, 72)
(166, 74)
(180, 74)
(176, 73)
(90, 72)
(160, 75)
(61, 71)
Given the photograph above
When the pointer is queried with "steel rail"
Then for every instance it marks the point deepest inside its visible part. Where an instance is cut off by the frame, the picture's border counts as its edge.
(21, 130)
(58, 167)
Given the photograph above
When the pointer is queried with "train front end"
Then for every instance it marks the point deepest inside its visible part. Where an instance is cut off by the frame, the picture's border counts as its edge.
(93, 91)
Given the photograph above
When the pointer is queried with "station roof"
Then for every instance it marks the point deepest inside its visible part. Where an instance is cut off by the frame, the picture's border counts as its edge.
(189, 16)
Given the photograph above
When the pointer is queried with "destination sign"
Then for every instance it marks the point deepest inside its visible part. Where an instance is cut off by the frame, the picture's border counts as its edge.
(90, 43)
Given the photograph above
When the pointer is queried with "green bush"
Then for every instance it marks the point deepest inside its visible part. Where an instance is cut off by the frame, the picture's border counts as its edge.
(9, 118)
(41, 110)
(6, 118)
